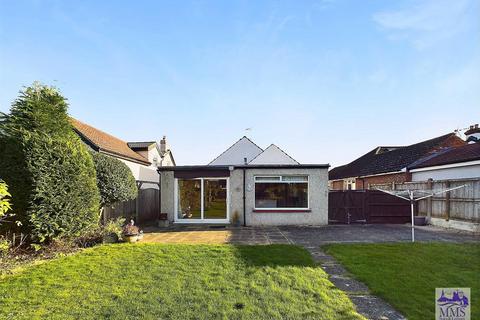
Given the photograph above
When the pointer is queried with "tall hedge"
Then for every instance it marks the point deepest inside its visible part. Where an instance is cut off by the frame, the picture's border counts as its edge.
(115, 181)
(49, 170)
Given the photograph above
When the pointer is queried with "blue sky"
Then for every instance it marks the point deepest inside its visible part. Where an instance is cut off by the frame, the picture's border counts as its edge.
(325, 80)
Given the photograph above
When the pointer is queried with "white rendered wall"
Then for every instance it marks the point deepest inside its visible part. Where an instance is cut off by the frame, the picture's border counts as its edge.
(466, 172)
(243, 148)
(273, 155)
(142, 172)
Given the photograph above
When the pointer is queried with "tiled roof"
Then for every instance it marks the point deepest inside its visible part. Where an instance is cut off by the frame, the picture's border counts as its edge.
(398, 158)
(469, 152)
(102, 141)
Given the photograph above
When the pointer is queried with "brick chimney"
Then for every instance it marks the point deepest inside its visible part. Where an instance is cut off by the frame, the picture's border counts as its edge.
(163, 145)
(473, 134)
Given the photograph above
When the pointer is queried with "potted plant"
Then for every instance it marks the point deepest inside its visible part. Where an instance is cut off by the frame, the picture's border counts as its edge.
(112, 230)
(420, 220)
(130, 232)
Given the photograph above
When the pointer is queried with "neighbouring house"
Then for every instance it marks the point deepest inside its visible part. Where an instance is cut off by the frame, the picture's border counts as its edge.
(473, 134)
(449, 164)
(387, 164)
(142, 158)
(247, 185)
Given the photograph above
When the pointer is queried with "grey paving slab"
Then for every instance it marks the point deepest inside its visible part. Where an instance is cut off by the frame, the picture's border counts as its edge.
(318, 235)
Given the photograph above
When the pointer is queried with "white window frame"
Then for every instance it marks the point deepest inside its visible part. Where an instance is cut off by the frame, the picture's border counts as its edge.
(202, 219)
(281, 181)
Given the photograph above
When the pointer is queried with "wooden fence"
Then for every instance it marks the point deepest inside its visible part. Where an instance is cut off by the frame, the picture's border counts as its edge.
(460, 204)
(366, 206)
(144, 209)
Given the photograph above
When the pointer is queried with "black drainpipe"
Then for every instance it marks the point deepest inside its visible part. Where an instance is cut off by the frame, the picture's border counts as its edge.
(159, 193)
(244, 209)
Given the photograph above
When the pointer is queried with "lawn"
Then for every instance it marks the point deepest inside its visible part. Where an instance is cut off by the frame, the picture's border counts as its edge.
(406, 274)
(156, 281)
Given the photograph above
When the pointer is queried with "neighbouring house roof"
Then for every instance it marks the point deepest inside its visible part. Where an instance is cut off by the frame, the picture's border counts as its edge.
(398, 158)
(104, 142)
(235, 154)
(273, 155)
(142, 145)
(466, 153)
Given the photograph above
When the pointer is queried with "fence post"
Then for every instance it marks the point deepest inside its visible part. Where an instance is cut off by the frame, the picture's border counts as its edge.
(447, 201)
(429, 199)
(137, 202)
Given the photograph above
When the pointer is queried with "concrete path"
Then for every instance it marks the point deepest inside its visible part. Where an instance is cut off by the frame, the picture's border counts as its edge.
(368, 305)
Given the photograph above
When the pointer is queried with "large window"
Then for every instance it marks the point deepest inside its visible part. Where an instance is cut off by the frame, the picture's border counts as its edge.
(281, 192)
(201, 199)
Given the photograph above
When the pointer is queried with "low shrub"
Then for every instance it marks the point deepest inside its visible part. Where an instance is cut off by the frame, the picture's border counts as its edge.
(5, 205)
(114, 226)
(5, 245)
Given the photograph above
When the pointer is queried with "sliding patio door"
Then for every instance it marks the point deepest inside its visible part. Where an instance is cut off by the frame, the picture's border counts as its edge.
(201, 200)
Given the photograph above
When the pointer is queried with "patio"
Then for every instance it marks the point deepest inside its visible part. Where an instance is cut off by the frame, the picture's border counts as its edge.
(305, 236)
(183, 234)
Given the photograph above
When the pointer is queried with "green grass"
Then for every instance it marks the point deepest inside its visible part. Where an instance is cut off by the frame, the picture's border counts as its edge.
(155, 281)
(406, 274)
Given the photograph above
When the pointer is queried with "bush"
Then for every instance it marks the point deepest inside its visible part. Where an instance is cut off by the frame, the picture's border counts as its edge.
(49, 170)
(115, 181)
(114, 226)
(4, 200)
(4, 247)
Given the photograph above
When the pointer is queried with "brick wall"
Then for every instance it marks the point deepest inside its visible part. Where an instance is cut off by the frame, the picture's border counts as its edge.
(337, 185)
(363, 183)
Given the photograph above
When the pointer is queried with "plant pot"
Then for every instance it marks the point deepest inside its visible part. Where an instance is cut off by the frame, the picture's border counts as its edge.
(163, 216)
(130, 238)
(420, 220)
(110, 238)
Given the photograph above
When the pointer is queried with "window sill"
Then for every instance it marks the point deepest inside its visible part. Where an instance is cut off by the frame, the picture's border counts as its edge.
(281, 211)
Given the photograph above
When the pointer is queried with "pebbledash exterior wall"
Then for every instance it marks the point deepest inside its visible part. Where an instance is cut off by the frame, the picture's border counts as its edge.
(317, 188)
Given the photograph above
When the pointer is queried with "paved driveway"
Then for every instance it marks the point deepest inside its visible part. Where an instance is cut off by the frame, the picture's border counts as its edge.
(371, 234)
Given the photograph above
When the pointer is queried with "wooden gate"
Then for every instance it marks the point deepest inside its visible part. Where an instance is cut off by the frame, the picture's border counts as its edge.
(366, 206)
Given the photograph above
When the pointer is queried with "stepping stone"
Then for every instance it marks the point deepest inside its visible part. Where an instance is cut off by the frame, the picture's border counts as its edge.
(348, 285)
(375, 308)
(334, 269)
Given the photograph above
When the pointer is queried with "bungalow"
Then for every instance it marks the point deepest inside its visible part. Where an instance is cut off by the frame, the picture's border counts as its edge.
(142, 158)
(449, 164)
(247, 185)
(387, 164)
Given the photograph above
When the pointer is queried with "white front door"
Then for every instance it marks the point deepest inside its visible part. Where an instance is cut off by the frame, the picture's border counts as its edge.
(202, 200)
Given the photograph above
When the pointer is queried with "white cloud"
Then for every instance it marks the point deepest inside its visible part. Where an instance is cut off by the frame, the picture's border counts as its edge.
(426, 23)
